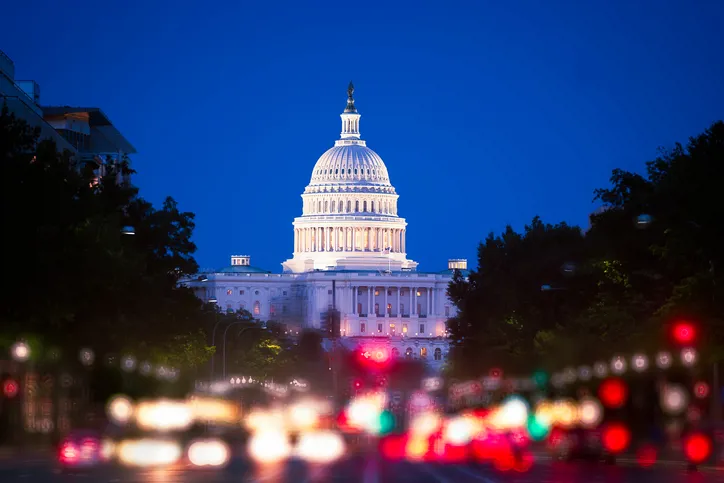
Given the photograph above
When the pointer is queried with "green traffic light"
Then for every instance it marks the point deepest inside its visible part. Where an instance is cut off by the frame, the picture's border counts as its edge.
(387, 422)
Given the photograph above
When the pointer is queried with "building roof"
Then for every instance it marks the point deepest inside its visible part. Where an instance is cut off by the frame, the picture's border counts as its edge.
(450, 272)
(238, 269)
(97, 120)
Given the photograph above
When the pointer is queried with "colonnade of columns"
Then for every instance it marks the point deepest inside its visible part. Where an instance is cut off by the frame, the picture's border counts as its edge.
(349, 239)
(393, 301)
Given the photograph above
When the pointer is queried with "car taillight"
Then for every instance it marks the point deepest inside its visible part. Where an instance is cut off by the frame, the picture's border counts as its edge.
(68, 453)
(89, 445)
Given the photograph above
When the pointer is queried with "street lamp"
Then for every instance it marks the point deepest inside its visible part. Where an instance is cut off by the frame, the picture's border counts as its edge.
(20, 351)
(223, 353)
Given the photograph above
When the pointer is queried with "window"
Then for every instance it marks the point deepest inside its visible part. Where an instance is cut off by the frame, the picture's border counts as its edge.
(422, 329)
(389, 293)
(359, 308)
(379, 328)
(256, 293)
(241, 292)
(377, 292)
(362, 327)
(257, 308)
(438, 354)
(356, 205)
(392, 329)
(329, 292)
(364, 206)
(284, 309)
(423, 352)
(402, 308)
(377, 309)
(419, 309)
(229, 291)
(408, 353)
(404, 328)
(447, 311)
(389, 309)
(284, 292)
(228, 308)
(395, 352)
(272, 310)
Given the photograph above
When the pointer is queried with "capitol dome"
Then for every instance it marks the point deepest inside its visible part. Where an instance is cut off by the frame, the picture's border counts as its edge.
(349, 210)
(352, 164)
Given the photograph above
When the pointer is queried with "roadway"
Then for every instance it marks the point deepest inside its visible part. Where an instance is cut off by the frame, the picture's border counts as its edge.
(362, 469)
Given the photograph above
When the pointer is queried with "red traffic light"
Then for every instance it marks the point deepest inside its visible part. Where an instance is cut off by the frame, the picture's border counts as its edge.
(684, 333)
(10, 388)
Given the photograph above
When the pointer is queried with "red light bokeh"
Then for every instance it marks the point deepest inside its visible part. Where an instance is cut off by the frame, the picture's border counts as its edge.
(647, 455)
(613, 393)
(616, 438)
(684, 333)
(701, 389)
(697, 448)
(10, 388)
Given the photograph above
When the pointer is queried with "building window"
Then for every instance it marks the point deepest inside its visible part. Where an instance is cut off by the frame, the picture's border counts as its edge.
(404, 328)
(422, 329)
(402, 308)
(362, 327)
(377, 292)
(257, 308)
(395, 353)
(256, 293)
(241, 292)
(272, 310)
(229, 291)
(329, 292)
(408, 353)
(284, 292)
(423, 352)
(359, 308)
(447, 311)
(241, 307)
(419, 309)
(392, 329)
(377, 309)
(389, 309)
(438, 354)
(379, 328)
(389, 292)
(284, 309)
(229, 309)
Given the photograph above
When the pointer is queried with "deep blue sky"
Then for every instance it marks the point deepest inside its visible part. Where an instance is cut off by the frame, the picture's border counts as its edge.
(486, 113)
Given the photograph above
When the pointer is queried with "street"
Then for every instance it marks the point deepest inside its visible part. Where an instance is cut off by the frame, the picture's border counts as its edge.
(366, 470)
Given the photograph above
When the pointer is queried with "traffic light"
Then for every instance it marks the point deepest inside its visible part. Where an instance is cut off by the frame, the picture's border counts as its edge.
(684, 333)
(10, 388)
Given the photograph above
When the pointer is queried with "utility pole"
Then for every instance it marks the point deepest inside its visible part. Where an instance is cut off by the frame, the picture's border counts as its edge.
(334, 335)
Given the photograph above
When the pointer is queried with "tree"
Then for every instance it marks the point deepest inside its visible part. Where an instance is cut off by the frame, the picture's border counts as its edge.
(77, 281)
(666, 228)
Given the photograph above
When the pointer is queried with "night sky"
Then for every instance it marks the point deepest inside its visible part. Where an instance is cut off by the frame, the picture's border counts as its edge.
(486, 113)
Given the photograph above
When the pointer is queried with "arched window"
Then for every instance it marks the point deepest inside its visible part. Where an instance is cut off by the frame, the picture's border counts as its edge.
(356, 206)
(423, 352)
(349, 206)
(341, 206)
(333, 205)
(408, 353)
(395, 353)
(364, 206)
(438, 354)
(326, 206)
(372, 209)
(257, 308)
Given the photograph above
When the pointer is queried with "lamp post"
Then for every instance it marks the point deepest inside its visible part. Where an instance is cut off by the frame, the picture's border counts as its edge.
(223, 354)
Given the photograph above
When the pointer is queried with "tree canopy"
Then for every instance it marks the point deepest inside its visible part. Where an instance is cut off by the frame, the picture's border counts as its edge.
(76, 277)
(554, 295)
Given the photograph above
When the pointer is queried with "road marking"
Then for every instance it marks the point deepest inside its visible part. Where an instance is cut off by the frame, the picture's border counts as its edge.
(371, 472)
(472, 474)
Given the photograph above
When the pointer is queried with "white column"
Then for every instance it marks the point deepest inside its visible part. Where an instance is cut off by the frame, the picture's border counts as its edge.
(413, 301)
(385, 309)
(429, 302)
(354, 300)
(397, 309)
(370, 299)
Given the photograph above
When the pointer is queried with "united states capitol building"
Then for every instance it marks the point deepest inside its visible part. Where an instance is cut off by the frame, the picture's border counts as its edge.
(350, 251)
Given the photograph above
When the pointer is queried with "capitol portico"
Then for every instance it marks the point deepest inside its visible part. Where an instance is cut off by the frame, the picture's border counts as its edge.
(349, 251)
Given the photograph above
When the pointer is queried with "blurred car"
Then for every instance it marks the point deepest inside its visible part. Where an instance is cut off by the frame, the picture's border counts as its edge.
(80, 450)
(577, 443)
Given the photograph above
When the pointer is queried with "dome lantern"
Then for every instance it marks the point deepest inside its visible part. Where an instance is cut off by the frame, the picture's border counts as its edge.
(350, 117)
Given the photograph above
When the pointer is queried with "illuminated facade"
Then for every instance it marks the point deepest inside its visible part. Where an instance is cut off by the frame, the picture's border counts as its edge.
(349, 252)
